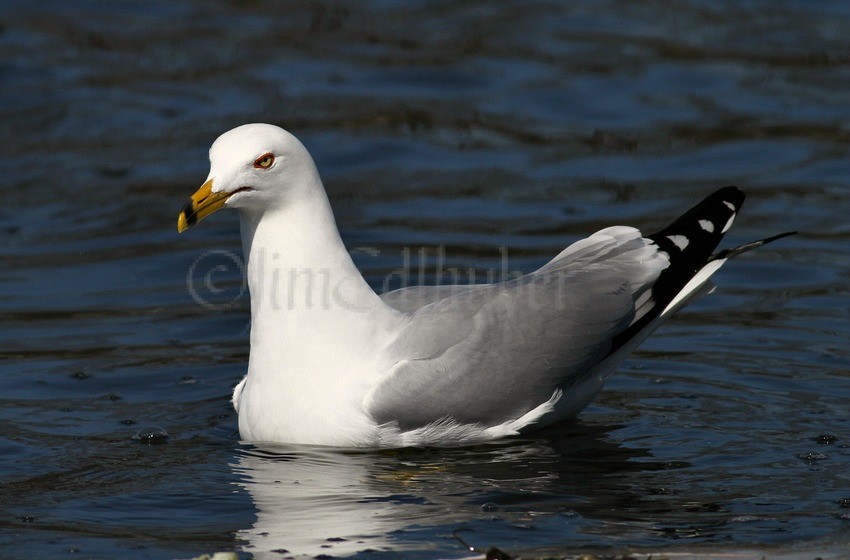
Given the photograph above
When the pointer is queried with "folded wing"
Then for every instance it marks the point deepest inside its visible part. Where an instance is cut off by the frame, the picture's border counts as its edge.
(488, 354)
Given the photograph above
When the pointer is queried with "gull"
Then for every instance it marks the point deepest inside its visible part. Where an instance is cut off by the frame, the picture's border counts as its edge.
(333, 363)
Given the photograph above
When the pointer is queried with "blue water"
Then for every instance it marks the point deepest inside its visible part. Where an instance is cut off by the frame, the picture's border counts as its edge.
(486, 131)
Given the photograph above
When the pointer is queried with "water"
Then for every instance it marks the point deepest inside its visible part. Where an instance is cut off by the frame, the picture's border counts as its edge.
(485, 129)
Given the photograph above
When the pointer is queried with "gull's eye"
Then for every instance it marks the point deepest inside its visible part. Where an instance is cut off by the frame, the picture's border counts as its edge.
(264, 161)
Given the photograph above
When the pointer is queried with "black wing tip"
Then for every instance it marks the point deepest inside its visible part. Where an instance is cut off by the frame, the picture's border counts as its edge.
(773, 238)
(735, 251)
(729, 194)
(730, 189)
(689, 242)
(694, 235)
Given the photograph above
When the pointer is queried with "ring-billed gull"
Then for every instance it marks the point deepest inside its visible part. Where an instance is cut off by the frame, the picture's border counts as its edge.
(333, 363)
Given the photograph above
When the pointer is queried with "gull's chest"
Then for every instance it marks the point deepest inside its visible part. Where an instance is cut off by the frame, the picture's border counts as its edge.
(303, 394)
(307, 413)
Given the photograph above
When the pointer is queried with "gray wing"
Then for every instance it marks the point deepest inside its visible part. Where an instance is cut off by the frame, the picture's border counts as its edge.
(488, 354)
(414, 297)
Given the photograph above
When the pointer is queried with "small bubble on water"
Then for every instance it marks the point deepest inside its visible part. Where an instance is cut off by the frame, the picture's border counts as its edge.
(843, 502)
(489, 506)
(28, 519)
(151, 435)
(825, 439)
(80, 375)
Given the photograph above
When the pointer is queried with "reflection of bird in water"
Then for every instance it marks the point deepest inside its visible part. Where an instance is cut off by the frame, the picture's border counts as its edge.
(332, 363)
(312, 501)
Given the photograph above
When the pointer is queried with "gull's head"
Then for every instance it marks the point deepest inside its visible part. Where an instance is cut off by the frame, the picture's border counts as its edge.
(253, 167)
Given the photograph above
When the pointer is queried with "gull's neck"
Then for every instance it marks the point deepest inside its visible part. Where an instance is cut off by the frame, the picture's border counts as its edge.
(317, 328)
(299, 270)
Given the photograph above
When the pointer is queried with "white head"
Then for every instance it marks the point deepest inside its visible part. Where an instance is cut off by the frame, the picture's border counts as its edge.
(253, 167)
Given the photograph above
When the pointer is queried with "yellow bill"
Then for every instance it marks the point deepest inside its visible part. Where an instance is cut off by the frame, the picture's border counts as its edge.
(200, 205)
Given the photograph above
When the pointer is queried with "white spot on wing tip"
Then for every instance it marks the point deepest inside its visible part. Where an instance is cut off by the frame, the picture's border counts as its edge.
(730, 206)
(679, 241)
(707, 225)
(728, 224)
(693, 286)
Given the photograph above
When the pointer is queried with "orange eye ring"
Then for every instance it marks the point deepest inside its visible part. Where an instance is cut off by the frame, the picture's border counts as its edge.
(264, 161)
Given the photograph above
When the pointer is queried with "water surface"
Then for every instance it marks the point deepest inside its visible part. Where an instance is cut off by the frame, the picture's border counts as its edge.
(474, 129)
